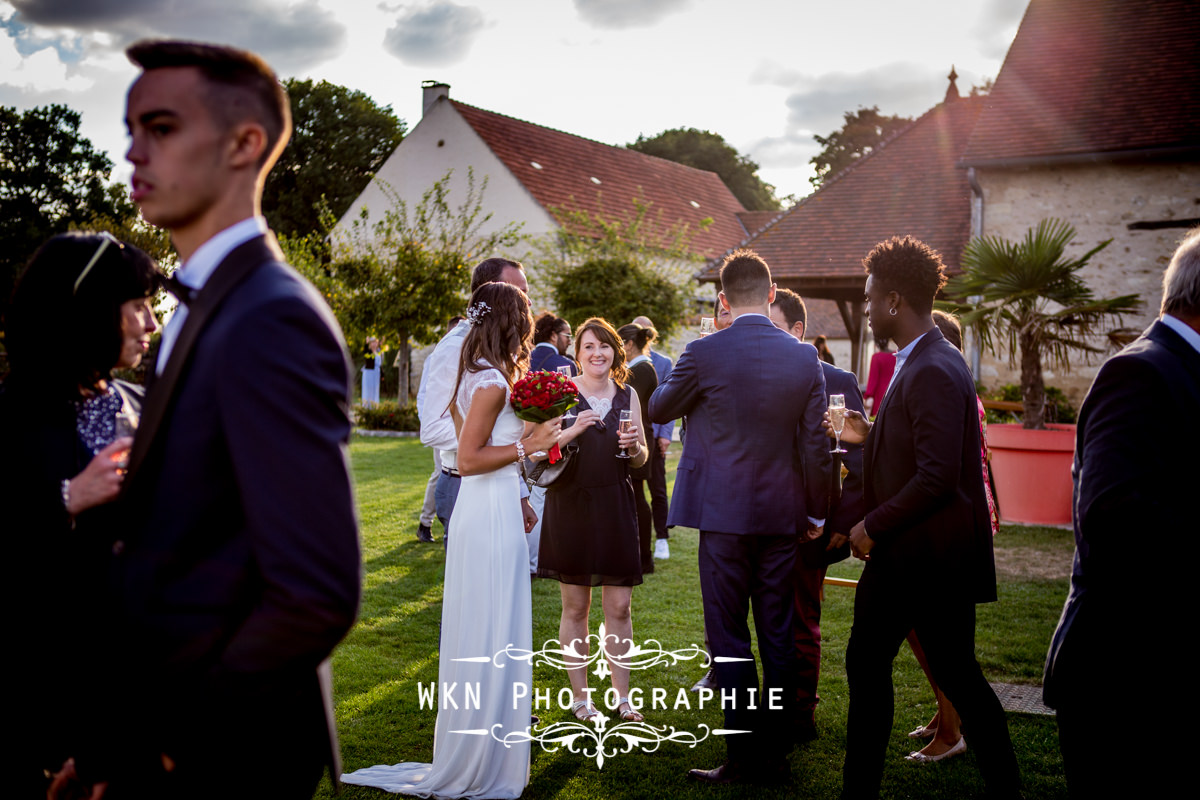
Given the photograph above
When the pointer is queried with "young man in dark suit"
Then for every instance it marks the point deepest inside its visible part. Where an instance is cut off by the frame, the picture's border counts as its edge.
(1132, 488)
(754, 479)
(789, 314)
(926, 524)
(240, 571)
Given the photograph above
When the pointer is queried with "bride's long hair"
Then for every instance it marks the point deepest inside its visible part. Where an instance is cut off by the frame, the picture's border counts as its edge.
(500, 334)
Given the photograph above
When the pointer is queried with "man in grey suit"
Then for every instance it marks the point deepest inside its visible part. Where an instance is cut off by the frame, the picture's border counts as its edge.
(754, 479)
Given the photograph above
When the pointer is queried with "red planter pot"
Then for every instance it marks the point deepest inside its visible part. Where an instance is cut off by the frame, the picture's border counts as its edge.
(1032, 471)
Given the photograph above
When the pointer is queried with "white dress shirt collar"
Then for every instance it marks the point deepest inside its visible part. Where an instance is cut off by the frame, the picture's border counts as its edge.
(196, 271)
(902, 356)
(1183, 329)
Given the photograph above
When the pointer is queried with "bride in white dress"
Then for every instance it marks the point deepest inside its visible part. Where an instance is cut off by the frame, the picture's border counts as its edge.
(486, 603)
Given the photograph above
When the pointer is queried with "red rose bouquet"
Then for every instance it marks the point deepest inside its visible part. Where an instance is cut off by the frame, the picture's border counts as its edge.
(542, 396)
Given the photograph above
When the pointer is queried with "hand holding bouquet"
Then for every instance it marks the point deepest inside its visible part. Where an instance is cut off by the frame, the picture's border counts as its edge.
(542, 396)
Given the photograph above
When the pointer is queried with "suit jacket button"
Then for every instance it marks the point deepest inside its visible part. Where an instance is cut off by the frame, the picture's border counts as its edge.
(118, 547)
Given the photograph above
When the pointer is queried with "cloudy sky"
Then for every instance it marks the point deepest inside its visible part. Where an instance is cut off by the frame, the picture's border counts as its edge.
(765, 74)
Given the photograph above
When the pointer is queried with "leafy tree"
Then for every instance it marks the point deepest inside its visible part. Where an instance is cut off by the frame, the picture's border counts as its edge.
(340, 138)
(399, 278)
(51, 178)
(124, 221)
(1033, 303)
(618, 289)
(863, 131)
(616, 268)
(709, 151)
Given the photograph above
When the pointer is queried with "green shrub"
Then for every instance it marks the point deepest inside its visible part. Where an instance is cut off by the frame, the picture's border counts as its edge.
(1058, 408)
(388, 416)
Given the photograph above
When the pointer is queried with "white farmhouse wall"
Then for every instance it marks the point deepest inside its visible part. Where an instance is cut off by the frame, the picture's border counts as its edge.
(1100, 200)
(443, 141)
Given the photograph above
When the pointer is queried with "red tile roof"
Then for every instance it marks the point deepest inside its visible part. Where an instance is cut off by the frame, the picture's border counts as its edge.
(1095, 76)
(910, 185)
(574, 173)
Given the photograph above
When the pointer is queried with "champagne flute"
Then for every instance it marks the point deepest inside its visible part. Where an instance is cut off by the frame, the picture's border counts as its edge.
(125, 424)
(626, 422)
(707, 326)
(837, 418)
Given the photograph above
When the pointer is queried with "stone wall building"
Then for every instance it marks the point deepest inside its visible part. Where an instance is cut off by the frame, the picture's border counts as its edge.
(1094, 118)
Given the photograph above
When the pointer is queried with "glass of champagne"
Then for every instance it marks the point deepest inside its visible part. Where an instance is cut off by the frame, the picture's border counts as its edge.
(125, 424)
(837, 418)
(626, 422)
(706, 326)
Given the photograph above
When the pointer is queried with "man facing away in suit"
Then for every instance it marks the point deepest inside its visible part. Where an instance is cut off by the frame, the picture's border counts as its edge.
(1134, 493)
(240, 570)
(926, 524)
(754, 479)
(845, 508)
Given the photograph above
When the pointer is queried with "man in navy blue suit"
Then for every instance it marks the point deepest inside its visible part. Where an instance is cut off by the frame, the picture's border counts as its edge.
(551, 338)
(240, 567)
(754, 479)
(845, 508)
(926, 525)
(1132, 487)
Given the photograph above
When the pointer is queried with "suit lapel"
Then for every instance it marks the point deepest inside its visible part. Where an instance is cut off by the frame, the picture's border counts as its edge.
(240, 262)
(898, 380)
(1179, 347)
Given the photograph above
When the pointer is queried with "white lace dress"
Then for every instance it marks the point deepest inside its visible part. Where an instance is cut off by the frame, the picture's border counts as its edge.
(485, 609)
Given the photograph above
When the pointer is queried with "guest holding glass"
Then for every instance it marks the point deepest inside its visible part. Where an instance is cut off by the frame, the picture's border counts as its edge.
(643, 379)
(590, 528)
(81, 309)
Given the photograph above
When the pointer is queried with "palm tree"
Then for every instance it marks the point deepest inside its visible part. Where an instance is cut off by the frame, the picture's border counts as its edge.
(1030, 299)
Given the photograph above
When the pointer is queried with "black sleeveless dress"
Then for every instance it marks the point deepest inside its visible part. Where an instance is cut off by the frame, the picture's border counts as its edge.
(589, 525)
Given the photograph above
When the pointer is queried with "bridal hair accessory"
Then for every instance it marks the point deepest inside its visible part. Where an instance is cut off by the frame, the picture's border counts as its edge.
(477, 312)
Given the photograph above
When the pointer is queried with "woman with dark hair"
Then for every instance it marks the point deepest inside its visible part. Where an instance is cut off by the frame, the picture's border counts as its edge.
(945, 729)
(643, 380)
(822, 345)
(590, 530)
(81, 309)
(486, 607)
(879, 375)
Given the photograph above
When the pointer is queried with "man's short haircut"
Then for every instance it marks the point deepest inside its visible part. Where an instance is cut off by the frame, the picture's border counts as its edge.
(489, 271)
(243, 86)
(950, 327)
(745, 279)
(546, 325)
(791, 305)
(1181, 281)
(909, 267)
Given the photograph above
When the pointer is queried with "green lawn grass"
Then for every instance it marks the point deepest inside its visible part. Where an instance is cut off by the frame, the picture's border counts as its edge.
(394, 646)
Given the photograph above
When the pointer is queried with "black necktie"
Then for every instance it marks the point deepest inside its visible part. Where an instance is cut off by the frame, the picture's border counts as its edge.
(183, 293)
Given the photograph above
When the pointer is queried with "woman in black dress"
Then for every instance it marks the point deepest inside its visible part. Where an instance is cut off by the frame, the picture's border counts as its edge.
(81, 309)
(589, 530)
(644, 380)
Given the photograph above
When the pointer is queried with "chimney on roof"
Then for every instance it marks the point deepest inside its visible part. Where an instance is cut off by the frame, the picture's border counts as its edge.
(431, 92)
(951, 90)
